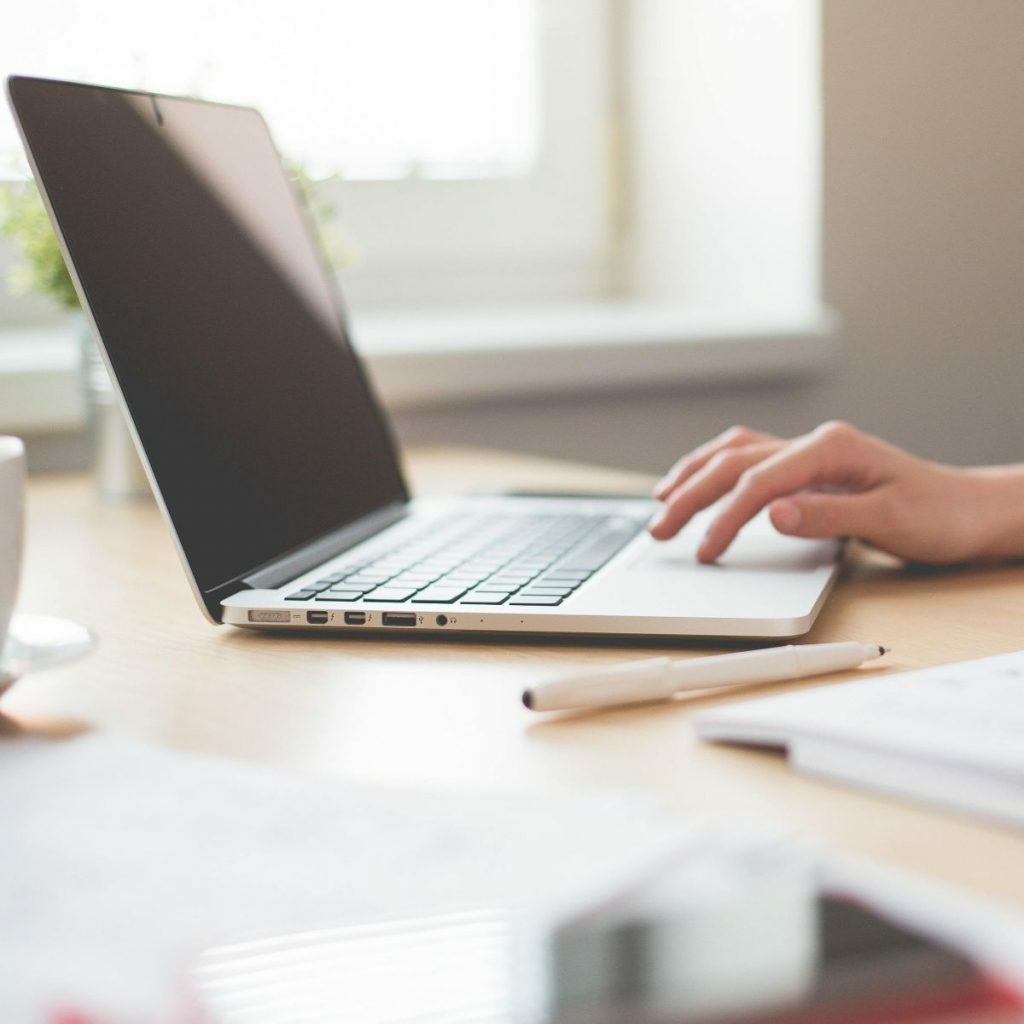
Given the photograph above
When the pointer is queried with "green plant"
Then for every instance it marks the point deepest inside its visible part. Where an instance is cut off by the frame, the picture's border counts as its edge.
(338, 247)
(40, 266)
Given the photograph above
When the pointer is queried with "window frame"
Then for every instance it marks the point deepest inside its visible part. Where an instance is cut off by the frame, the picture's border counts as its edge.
(542, 235)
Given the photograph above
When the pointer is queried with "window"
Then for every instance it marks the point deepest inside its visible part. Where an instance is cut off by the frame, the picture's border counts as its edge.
(372, 89)
(467, 137)
(725, 122)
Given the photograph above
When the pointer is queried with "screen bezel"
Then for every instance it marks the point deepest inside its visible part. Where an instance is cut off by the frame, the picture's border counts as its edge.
(294, 559)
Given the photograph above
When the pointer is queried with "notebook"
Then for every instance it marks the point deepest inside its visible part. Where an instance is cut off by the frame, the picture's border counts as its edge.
(952, 736)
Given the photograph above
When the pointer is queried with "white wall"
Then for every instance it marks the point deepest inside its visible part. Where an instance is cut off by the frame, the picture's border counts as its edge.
(722, 166)
(925, 218)
(923, 258)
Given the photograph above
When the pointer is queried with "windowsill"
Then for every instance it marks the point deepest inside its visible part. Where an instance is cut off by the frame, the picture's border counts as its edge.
(435, 358)
(40, 384)
(599, 348)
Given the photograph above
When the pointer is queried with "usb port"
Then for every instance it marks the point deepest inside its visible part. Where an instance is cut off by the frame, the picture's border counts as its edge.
(398, 618)
(355, 618)
(316, 618)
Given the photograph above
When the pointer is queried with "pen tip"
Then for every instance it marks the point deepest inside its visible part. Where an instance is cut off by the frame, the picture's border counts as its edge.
(528, 699)
(883, 650)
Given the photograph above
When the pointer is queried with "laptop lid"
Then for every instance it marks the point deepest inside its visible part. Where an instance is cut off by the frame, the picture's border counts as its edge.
(220, 321)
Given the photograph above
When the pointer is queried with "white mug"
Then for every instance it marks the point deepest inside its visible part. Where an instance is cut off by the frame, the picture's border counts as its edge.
(12, 525)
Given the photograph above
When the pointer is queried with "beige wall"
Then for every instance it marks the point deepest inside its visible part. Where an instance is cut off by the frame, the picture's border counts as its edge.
(924, 258)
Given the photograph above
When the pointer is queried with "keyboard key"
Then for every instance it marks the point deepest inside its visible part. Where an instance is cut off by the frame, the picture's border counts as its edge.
(390, 594)
(411, 581)
(370, 577)
(340, 595)
(485, 597)
(546, 592)
(302, 595)
(439, 595)
(543, 600)
(555, 581)
(348, 569)
(468, 578)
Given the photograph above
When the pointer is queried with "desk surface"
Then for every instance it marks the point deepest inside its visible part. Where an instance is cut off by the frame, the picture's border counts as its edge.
(427, 712)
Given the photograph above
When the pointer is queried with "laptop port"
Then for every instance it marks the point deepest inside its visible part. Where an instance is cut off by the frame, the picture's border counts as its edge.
(316, 618)
(398, 619)
(355, 618)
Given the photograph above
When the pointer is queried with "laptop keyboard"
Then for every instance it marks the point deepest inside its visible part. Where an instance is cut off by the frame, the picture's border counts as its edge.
(535, 559)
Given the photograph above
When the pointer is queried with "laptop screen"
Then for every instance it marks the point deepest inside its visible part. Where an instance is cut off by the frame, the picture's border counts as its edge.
(221, 324)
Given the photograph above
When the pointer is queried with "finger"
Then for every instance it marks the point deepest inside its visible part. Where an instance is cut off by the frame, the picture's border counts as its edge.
(831, 455)
(826, 515)
(734, 437)
(715, 478)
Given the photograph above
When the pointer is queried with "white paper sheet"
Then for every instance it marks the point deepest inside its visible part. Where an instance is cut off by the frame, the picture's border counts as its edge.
(121, 863)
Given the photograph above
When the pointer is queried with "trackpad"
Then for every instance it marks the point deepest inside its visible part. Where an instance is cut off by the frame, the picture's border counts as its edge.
(758, 548)
(763, 578)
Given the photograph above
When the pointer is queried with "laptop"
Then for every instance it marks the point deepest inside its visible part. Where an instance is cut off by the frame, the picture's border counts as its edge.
(271, 458)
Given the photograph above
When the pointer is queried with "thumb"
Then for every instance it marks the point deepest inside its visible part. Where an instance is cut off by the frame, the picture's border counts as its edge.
(823, 515)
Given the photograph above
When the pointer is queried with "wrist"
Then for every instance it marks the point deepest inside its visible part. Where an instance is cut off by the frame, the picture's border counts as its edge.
(999, 511)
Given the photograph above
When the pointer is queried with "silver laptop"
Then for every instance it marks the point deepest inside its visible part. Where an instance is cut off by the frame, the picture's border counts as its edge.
(266, 448)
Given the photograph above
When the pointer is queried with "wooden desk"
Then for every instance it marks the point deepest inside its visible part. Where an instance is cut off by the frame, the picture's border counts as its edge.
(448, 713)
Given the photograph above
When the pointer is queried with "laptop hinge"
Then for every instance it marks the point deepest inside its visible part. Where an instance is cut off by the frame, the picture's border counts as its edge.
(295, 563)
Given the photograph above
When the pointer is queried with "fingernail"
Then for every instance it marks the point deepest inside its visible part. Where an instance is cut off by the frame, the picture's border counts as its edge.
(786, 515)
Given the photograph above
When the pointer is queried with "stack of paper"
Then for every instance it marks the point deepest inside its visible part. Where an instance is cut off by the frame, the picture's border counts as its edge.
(953, 736)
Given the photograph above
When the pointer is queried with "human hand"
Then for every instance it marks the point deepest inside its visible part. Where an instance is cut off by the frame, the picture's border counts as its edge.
(839, 482)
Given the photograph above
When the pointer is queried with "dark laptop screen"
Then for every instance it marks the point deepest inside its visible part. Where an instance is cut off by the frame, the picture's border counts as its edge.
(217, 315)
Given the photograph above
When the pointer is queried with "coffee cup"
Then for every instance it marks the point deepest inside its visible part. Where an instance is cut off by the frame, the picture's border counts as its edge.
(12, 525)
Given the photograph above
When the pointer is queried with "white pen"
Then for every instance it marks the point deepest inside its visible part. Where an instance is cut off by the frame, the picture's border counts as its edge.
(659, 678)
